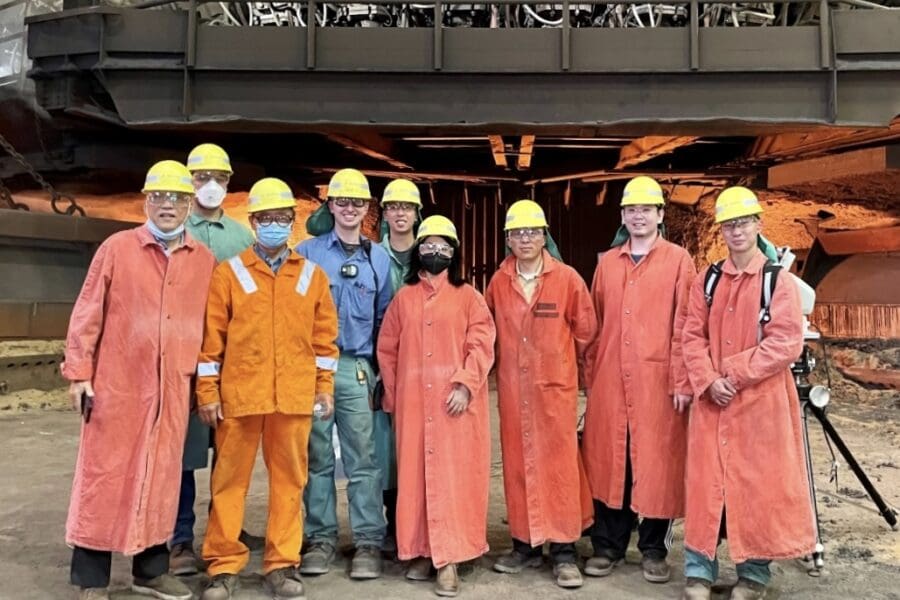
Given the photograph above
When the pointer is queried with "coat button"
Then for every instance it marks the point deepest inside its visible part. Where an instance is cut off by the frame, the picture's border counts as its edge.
(524, 369)
(728, 342)
(428, 420)
(428, 323)
(724, 443)
(526, 434)
(524, 339)
(627, 343)
(428, 354)
(730, 309)
(627, 311)
(428, 386)
(631, 282)
(431, 451)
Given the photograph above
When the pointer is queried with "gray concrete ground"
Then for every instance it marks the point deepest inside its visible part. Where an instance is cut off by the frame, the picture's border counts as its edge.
(37, 453)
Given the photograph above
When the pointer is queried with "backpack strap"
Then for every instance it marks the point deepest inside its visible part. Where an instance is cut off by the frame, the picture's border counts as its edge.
(770, 276)
(711, 280)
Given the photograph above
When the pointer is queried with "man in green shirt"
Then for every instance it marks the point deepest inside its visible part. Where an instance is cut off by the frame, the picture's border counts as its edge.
(210, 169)
(400, 204)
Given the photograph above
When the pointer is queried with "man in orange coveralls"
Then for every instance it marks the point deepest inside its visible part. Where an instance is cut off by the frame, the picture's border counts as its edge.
(636, 426)
(746, 471)
(268, 355)
(132, 345)
(545, 321)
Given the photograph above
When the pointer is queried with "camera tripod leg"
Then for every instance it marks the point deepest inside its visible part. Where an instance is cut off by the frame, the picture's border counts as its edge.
(815, 563)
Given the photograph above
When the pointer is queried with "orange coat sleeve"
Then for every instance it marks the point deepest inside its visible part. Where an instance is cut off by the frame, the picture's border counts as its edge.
(583, 322)
(678, 378)
(479, 345)
(389, 352)
(215, 335)
(782, 339)
(324, 334)
(590, 354)
(695, 341)
(88, 315)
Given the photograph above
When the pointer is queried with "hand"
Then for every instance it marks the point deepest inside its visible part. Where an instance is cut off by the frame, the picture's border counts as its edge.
(326, 400)
(211, 414)
(722, 391)
(681, 402)
(76, 390)
(458, 400)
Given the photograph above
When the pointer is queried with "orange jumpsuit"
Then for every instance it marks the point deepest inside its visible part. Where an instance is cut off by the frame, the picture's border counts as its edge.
(269, 347)
(746, 459)
(433, 336)
(635, 368)
(135, 332)
(540, 345)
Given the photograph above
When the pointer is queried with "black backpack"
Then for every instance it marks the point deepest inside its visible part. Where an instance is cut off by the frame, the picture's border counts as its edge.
(770, 277)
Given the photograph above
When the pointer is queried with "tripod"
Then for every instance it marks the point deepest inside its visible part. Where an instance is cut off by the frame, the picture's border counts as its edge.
(813, 402)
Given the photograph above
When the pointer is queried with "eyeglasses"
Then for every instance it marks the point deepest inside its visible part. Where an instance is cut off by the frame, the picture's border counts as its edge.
(735, 224)
(399, 207)
(269, 219)
(432, 248)
(204, 177)
(356, 202)
(644, 211)
(179, 199)
(521, 234)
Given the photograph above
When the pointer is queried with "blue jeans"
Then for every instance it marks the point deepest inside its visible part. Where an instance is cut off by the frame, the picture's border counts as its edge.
(355, 423)
(184, 522)
(697, 565)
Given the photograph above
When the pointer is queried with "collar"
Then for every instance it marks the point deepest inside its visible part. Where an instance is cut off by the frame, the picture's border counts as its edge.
(625, 249)
(331, 238)
(510, 267)
(529, 277)
(436, 283)
(147, 239)
(196, 219)
(754, 266)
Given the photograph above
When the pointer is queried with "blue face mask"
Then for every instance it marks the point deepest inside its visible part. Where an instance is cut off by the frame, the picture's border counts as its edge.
(272, 235)
(166, 236)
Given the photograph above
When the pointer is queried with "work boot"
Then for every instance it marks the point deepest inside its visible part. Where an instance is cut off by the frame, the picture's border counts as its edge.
(183, 560)
(515, 562)
(419, 569)
(93, 594)
(220, 587)
(447, 583)
(600, 566)
(656, 570)
(285, 584)
(164, 587)
(567, 575)
(696, 588)
(366, 563)
(317, 559)
(748, 590)
(254, 543)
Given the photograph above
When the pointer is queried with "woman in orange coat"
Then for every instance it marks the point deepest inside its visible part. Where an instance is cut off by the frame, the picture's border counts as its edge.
(435, 350)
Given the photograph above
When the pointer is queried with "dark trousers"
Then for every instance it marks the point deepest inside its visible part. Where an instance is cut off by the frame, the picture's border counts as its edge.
(90, 568)
(184, 521)
(390, 512)
(559, 553)
(612, 527)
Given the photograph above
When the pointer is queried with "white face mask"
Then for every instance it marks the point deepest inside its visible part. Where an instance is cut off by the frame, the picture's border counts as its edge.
(211, 194)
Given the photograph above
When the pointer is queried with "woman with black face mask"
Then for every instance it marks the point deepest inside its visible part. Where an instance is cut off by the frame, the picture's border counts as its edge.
(435, 350)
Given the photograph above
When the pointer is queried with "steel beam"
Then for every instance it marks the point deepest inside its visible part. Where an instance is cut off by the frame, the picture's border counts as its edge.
(866, 162)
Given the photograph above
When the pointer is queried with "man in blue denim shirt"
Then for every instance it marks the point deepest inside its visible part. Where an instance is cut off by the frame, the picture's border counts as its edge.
(359, 272)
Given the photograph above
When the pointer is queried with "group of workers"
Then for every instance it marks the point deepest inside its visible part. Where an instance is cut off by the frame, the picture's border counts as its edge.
(691, 408)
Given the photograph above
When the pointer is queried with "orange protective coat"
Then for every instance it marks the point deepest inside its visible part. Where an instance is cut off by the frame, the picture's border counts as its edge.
(748, 458)
(539, 347)
(435, 335)
(635, 367)
(135, 332)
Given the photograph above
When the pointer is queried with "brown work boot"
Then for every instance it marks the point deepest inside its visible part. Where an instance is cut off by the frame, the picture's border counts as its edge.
(93, 594)
(220, 587)
(164, 587)
(447, 583)
(366, 563)
(696, 589)
(600, 566)
(515, 562)
(419, 569)
(656, 570)
(567, 575)
(748, 590)
(183, 560)
(285, 584)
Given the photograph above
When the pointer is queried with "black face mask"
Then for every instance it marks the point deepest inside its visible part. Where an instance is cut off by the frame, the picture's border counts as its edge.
(434, 263)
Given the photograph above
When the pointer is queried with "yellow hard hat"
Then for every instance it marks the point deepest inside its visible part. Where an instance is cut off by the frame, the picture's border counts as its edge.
(268, 194)
(209, 157)
(401, 190)
(736, 202)
(524, 214)
(349, 183)
(168, 176)
(437, 225)
(642, 190)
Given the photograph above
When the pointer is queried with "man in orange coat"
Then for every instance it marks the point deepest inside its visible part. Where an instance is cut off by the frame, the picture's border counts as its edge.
(746, 472)
(132, 345)
(635, 425)
(545, 321)
(268, 355)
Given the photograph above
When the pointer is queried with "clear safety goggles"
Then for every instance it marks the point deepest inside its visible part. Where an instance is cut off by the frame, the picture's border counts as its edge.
(204, 177)
(530, 233)
(399, 207)
(356, 202)
(281, 219)
(445, 250)
(179, 199)
(740, 223)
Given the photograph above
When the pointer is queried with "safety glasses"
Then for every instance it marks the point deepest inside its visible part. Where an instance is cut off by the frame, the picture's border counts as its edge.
(356, 202)
(179, 199)
(445, 250)
(530, 233)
